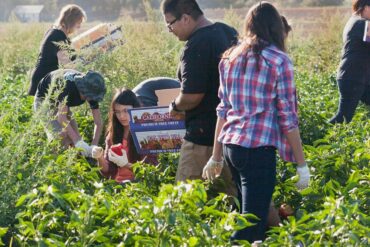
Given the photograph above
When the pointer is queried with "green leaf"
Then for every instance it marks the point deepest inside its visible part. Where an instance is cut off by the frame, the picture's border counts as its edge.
(3, 231)
(193, 241)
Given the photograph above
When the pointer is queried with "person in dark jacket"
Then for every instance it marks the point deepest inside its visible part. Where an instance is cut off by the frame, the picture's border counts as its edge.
(145, 90)
(353, 75)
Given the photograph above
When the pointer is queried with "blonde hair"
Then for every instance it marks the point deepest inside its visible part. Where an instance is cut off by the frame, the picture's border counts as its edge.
(69, 16)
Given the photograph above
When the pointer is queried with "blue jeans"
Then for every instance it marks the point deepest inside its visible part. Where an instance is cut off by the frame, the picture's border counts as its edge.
(254, 173)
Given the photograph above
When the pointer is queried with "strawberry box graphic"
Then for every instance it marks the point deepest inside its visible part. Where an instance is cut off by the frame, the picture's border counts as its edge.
(160, 141)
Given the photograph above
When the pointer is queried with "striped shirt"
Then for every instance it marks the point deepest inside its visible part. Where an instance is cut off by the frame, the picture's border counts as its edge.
(260, 106)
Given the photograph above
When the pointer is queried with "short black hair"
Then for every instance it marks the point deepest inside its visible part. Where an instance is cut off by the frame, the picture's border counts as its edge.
(179, 7)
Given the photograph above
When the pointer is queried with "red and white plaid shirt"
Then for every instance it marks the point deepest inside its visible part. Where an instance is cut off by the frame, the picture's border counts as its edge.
(259, 106)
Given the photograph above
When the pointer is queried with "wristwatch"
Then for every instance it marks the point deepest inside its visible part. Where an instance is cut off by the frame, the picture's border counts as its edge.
(174, 107)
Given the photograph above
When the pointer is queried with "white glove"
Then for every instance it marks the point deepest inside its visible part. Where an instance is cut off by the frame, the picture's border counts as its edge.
(97, 152)
(85, 148)
(212, 169)
(304, 176)
(120, 161)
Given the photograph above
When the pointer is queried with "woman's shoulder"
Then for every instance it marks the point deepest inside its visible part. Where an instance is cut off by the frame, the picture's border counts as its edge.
(276, 55)
(356, 19)
(355, 23)
(55, 34)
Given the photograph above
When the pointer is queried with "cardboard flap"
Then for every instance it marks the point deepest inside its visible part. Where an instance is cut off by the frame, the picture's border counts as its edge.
(165, 96)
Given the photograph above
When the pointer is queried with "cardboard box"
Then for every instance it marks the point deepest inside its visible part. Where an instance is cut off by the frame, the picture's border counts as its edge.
(104, 36)
(165, 96)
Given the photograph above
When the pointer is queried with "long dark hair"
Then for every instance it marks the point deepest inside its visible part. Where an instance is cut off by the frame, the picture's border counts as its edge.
(263, 27)
(115, 129)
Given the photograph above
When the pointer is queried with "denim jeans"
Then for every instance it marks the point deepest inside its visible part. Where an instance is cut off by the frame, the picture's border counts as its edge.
(254, 173)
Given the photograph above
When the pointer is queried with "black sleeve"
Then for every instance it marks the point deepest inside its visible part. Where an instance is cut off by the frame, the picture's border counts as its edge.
(194, 68)
(54, 43)
(358, 29)
(358, 33)
(66, 88)
(94, 104)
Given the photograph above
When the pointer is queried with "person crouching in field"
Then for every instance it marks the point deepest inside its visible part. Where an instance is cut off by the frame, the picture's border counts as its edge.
(145, 90)
(120, 153)
(353, 77)
(257, 115)
(54, 49)
(72, 88)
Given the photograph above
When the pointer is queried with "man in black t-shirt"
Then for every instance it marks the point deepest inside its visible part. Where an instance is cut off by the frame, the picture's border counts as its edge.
(199, 78)
(66, 88)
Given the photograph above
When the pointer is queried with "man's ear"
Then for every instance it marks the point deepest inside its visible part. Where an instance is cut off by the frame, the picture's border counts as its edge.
(187, 18)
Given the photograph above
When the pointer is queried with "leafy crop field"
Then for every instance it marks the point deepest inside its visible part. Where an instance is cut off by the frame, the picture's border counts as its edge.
(308, 20)
(53, 197)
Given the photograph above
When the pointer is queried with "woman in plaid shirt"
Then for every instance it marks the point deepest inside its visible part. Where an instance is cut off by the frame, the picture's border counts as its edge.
(257, 115)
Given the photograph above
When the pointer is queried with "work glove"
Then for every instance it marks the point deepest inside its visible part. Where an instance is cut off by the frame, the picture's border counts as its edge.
(85, 148)
(212, 169)
(304, 176)
(70, 76)
(97, 152)
(119, 160)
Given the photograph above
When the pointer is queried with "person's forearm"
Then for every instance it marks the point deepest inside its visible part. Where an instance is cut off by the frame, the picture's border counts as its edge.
(103, 164)
(63, 58)
(184, 105)
(295, 142)
(98, 128)
(217, 146)
(72, 134)
(74, 125)
(185, 102)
